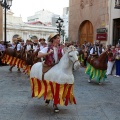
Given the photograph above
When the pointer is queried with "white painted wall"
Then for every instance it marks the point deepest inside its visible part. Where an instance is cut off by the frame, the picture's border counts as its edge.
(113, 14)
(15, 25)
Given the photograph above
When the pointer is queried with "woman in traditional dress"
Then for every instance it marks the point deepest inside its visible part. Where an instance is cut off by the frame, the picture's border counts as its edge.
(111, 60)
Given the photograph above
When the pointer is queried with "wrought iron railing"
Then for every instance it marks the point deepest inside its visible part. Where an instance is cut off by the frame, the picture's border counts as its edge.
(117, 4)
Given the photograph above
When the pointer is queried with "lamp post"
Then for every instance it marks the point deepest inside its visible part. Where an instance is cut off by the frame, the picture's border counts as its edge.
(63, 34)
(59, 24)
(6, 4)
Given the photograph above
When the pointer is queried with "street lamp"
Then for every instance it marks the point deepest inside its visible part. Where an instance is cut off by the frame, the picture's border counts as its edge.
(6, 4)
(59, 24)
(63, 35)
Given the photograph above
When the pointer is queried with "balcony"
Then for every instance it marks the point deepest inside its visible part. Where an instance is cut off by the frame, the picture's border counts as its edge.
(117, 4)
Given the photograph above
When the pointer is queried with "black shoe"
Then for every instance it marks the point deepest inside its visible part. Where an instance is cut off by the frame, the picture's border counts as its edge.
(47, 102)
(10, 69)
(18, 70)
(56, 110)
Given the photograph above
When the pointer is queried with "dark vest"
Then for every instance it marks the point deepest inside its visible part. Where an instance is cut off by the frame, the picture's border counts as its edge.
(49, 59)
(96, 50)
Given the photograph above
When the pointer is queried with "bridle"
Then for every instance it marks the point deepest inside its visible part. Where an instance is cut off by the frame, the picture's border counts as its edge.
(75, 60)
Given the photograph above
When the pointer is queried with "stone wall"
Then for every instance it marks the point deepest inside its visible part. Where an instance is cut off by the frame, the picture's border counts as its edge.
(96, 11)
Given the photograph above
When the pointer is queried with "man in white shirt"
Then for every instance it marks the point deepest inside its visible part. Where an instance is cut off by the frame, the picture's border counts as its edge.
(96, 50)
(52, 54)
(28, 45)
(52, 48)
(17, 47)
(42, 43)
(36, 47)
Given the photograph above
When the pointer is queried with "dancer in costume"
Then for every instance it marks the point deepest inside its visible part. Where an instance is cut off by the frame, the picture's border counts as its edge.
(12, 55)
(97, 64)
(52, 54)
(42, 43)
(17, 47)
(28, 46)
(56, 83)
(53, 51)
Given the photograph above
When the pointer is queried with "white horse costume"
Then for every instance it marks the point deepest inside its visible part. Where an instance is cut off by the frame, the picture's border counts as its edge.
(58, 82)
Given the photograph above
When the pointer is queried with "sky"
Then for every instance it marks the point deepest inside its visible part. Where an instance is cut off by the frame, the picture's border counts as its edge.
(26, 8)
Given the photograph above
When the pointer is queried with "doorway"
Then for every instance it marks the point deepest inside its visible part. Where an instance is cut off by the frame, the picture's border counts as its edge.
(116, 31)
(86, 32)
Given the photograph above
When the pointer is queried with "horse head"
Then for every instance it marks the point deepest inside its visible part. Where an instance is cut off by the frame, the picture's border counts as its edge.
(89, 59)
(29, 58)
(18, 54)
(10, 51)
(35, 58)
(101, 61)
(73, 57)
(109, 53)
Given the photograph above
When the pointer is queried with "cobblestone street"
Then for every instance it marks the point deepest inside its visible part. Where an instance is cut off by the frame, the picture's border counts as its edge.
(94, 102)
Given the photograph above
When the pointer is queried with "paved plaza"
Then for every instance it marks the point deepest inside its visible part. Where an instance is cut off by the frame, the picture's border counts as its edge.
(94, 102)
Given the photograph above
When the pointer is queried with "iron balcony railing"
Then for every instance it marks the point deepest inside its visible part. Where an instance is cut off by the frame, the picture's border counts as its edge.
(117, 4)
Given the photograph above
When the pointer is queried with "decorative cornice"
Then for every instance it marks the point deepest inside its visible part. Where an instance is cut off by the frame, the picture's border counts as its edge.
(91, 2)
(86, 2)
(82, 4)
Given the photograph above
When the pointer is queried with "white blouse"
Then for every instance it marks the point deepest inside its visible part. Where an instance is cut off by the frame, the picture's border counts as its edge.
(28, 47)
(55, 54)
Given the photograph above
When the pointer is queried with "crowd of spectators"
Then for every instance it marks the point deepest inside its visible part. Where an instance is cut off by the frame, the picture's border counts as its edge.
(86, 49)
(113, 60)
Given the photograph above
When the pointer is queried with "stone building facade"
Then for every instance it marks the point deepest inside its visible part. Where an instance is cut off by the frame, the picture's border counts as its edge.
(91, 20)
(1, 23)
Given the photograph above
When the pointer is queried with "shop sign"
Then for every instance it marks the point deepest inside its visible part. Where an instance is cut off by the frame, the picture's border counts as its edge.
(102, 30)
(101, 36)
